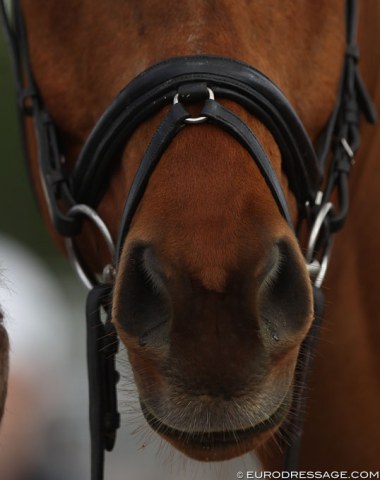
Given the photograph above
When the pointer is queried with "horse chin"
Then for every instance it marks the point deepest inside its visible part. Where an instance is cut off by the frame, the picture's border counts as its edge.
(219, 446)
(218, 451)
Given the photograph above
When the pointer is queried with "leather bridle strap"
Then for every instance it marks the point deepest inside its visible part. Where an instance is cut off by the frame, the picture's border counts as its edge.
(102, 345)
(174, 121)
(220, 116)
(55, 180)
(165, 133)
(155, 88)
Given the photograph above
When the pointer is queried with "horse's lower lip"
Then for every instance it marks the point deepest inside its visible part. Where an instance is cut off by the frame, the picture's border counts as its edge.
(217, 440)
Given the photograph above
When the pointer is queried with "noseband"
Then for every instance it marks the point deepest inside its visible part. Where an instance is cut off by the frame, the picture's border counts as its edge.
(73, 197)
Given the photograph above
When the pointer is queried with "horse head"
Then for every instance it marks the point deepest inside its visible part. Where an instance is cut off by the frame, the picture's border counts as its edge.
(212, 297)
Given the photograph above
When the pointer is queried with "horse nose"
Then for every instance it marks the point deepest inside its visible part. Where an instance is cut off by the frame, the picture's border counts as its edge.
(284, 299)
(144, 307)
(278, 302)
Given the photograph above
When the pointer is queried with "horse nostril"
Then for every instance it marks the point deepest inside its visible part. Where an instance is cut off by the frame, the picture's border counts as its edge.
(143, 308)
(285, 301)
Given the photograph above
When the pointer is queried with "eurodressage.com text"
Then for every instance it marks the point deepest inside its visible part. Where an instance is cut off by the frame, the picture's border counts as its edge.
(303, 474)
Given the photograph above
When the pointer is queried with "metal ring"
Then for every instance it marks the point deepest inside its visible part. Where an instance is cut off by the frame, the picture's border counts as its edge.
(87, 279)
(317, 270)
(323, 212)
(195, 120)
(324, 264)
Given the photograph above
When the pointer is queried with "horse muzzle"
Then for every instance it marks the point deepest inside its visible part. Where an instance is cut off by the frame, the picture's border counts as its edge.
(207, 444)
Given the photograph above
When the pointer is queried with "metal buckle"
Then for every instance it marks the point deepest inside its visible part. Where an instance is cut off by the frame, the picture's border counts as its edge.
(195, 120)
(317, 269)
(108, 274)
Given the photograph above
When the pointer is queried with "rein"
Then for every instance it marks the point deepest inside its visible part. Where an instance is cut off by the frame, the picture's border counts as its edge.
(74, 197)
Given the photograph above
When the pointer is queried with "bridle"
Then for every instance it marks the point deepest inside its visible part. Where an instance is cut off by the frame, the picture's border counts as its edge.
(73, 197)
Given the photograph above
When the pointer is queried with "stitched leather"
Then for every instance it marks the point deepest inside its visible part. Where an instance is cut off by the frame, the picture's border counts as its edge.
(172, 123)
(156, 87)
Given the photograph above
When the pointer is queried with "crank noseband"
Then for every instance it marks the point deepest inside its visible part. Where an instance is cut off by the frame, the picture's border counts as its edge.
(73, 196)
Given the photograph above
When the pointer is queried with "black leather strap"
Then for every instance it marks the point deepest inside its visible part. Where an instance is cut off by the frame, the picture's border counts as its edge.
(229, 121)
(55, 181)
(228, 78)
(353, 101)
(172, 123)
(155, 88)
(102, 346)
(165, 133)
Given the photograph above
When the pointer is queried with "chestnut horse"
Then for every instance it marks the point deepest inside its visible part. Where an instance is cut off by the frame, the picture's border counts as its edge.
(212, 297)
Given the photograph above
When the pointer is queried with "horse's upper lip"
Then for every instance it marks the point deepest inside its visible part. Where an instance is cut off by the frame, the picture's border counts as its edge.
(216, 439)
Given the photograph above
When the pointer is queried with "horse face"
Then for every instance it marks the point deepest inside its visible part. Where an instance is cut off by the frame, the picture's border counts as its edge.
(212, 298)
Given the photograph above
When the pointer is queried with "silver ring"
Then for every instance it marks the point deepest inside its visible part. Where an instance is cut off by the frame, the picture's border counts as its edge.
(317, 270)
(89, 280)
(324, 264)
(323, 212)
(195, 120)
